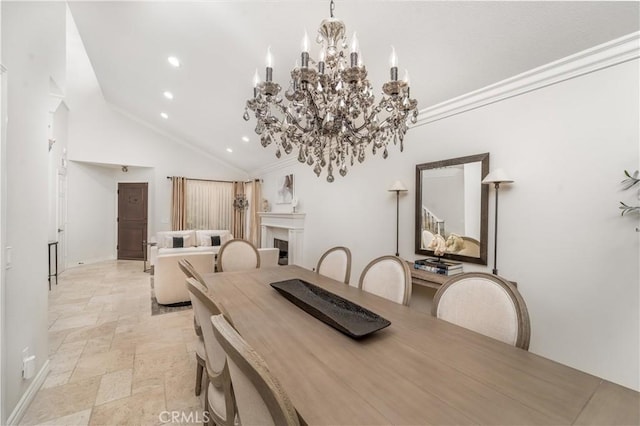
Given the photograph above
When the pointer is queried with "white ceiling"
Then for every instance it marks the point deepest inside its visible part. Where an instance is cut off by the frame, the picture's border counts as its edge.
(450, 48)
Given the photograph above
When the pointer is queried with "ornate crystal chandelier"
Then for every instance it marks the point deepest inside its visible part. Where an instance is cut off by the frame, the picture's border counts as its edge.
(331, 115)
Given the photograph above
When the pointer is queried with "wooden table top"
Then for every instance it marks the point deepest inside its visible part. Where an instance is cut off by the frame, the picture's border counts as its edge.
(420, 370)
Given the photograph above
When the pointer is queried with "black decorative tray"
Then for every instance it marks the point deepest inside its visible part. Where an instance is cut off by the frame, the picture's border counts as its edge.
(341, 314)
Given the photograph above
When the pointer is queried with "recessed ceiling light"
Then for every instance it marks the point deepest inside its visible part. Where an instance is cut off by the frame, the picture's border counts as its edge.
(168, 95)
(164, 115)
(245, 139)
(174, 61)
(229, 150)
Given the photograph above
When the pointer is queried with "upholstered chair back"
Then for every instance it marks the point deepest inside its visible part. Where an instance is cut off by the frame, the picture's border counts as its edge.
(336, 263)
(204, 307)
(484, 303)
(190, 271)
(388, 277)
(238, 255)
(220, 401)
(260, 399)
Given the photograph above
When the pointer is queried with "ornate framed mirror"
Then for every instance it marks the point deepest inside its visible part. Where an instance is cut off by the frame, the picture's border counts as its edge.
(451, 201)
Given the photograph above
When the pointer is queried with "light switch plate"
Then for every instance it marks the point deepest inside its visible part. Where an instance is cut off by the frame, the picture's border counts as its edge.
(9, 257)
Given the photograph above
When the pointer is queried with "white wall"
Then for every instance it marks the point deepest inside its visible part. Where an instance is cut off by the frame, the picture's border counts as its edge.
(58, 117)
(99, 134)
(3, 211)
(562, 239)
(93, 209)
(58, 130)
(33, 51)
(91, 213)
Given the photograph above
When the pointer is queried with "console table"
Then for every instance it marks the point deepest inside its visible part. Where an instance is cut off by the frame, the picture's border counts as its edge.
(431, 279)
(146, 257)
(53, 244)
(426, 278)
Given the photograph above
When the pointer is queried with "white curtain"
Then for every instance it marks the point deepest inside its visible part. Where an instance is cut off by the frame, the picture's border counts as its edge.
(177, 203)
(209, 205)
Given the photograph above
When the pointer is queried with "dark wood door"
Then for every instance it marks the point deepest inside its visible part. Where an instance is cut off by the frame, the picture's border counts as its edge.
(132, 220)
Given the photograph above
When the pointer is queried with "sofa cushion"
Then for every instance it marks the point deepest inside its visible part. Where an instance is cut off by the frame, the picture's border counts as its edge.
(204, 236)
(165, 238)
(215, 240)
(199, 249)
(176, 241)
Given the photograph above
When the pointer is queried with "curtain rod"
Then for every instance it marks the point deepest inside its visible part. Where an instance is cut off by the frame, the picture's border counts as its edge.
(223, 181)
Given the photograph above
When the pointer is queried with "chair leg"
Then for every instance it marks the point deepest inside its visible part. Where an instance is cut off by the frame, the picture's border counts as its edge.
(199, 373)
(206, 421)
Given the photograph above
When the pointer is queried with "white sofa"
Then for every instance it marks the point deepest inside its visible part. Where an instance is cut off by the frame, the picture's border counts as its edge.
(193, 242)
(169, 281)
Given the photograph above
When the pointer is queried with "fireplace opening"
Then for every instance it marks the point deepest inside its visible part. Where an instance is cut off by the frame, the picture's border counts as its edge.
(283, 254)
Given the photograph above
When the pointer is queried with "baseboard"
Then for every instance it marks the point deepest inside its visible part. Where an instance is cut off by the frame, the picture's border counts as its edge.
(29, 395)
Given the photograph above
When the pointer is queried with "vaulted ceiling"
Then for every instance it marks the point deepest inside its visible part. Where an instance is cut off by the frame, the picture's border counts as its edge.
(450, 48)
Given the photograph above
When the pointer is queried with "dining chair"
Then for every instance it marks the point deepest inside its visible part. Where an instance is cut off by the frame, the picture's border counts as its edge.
(190, 272)
(238, 255)
(388, 277)
(260, 399)
(336, 263)
(484, 303)
(219, 399)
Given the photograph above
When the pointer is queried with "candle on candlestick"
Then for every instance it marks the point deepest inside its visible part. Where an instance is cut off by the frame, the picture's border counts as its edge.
(305, 50)
(406, 80)
(256, 81)
(269, 72)
(355, 48)
(321, 61)
(394, 64)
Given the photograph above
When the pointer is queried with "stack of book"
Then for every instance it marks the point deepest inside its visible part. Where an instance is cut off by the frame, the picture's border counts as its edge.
(438, 266)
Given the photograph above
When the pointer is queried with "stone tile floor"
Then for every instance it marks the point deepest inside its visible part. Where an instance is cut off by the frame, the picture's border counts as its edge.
(111, 362)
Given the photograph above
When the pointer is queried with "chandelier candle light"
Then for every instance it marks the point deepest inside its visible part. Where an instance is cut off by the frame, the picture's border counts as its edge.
(331, 116)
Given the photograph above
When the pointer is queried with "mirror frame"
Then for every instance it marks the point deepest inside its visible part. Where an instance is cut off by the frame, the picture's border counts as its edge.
(484, 207)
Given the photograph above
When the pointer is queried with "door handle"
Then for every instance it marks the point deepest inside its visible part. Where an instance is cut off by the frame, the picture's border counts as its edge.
(60, 230)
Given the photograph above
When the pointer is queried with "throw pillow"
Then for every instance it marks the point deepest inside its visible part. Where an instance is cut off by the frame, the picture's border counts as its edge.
(204, 240)
(178, 242)
(215, 240)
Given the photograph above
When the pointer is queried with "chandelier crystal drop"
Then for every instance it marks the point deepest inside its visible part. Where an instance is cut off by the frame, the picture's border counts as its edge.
(331, 116)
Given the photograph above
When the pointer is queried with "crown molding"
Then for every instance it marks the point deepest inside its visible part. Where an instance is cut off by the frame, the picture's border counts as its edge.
(605, 55)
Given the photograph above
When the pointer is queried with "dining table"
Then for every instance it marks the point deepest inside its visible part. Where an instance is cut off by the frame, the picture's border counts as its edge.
(419, 370)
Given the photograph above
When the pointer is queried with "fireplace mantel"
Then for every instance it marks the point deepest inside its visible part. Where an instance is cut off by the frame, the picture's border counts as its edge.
(283, 220)
(289, 224)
